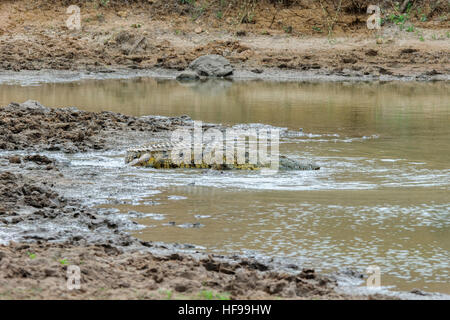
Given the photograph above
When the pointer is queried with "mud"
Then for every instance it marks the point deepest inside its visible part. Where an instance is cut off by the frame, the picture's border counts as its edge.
(35, 211)
(31, 126)
(28, 182)
(42, 231)
(115, 265)
(39, 271)
(294, 38)
(47, 231)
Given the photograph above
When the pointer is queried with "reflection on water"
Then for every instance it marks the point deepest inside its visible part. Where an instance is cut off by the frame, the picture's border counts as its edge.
(381, 197)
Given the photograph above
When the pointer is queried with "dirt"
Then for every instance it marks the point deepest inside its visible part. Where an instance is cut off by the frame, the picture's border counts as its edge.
(31, 126)
(35, 211)
(43, 232)
(40, 271)
(52, 232)
(161, 34)
(29, 197)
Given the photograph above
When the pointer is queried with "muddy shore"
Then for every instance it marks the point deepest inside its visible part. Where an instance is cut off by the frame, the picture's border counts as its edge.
(43, 232)
(118, 40)
(154, 35)
(39, 271)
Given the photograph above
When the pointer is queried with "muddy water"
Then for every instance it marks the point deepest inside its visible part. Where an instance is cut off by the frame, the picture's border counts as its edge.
(381, 197)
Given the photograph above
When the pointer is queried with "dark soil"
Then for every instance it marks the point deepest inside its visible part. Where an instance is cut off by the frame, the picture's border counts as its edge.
(31, 126)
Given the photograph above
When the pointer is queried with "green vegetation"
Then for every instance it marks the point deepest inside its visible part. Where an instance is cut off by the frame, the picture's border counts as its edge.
(31, 255)
(100, 17)
(399, 20)
(104, 3)
(209, 295)
(403, 20)
(167, 293)
(317, 29)
(288, 29)
(63, 261)
(330, 15)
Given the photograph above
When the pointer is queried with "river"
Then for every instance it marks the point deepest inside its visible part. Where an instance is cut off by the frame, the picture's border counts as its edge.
(380, 198)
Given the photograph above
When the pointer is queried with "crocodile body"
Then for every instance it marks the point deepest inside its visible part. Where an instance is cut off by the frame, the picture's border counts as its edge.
(159, 156)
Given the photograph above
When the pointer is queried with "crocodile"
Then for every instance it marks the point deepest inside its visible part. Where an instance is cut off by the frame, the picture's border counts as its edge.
(159, 156)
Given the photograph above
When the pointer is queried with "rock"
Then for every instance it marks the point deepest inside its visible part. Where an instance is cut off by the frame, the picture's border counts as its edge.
(188, 76)
(211, 65)
(290, 164)
(352, 273)
(198, 30)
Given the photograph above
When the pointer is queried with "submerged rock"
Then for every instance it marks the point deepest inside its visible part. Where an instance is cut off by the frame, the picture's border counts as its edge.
(188, 76)
(211, 65)
(291, 164)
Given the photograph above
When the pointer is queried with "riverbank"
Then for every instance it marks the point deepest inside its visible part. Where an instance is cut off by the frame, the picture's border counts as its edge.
(46, 231)
(137, 36)
(52, 227)
(39, 271)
